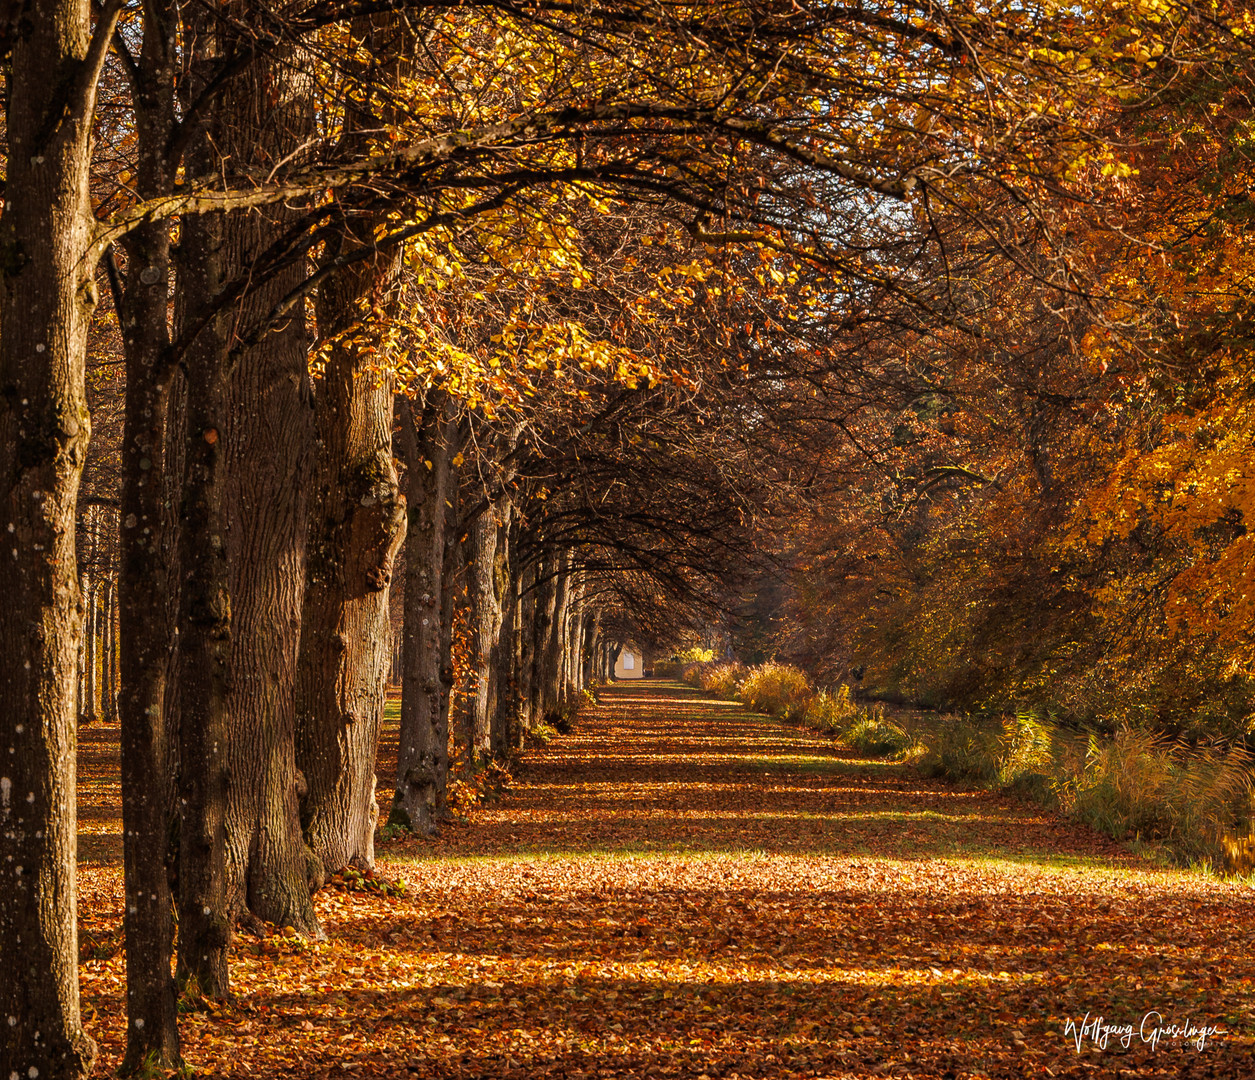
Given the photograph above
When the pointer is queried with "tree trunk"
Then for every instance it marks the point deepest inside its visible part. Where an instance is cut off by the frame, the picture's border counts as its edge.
(452, 589)
(483, 588)
(513, 676)
(109, 694)
(205, 628)
(502, 720)
(47, 301)
(553, 687)
(265, 116)
(545, 611)
(591, 667)
(357, 524)
(91, 652)
(524, 638)
(244, 539)
(147, 605)
(147, 592)
(575, 640)
(355, 532)
(423, 754)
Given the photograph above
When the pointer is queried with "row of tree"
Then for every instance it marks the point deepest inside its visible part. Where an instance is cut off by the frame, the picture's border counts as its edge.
(1056, 516)
(636, 270)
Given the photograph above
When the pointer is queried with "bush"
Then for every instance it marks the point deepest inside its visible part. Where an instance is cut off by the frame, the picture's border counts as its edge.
(959, 750)
(723, 679)
(831, 711)
(1198, 803)
(872, 733)
(1027, 757)
(695, 655)
(778, 690)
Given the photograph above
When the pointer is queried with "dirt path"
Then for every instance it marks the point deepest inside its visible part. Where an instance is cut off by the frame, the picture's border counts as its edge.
(679, 888)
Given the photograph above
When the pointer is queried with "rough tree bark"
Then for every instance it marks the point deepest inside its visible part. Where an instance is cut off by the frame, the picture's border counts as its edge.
(147, 597)
(204, 630)
(591, 667)
(574, 643)
(553, 687)
(243, 537)
(91, 650)
(544, 611)
(484, 589)
(524, 637)
(357, 524)
(511, 679)
(423, 752)
(266, 115)
(503, 684)
(46, 303)
(355, 534)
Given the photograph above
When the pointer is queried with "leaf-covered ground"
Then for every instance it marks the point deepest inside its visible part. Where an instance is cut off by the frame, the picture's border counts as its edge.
(680, 888)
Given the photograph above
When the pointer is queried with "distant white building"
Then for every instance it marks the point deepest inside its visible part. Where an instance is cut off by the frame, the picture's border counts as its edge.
(630, 664)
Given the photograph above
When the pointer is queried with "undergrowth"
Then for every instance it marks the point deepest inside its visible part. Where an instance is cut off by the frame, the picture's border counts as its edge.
(1196, 805)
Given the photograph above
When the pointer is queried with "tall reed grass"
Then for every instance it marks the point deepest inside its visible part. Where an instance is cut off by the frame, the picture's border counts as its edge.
(1196, 805)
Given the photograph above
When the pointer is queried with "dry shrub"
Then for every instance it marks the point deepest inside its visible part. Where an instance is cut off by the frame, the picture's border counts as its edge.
(722, 679)
(1195, 802)
(778, 690)
(831, 711)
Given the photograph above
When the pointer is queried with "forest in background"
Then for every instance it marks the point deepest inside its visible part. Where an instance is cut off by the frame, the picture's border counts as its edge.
(907, 341)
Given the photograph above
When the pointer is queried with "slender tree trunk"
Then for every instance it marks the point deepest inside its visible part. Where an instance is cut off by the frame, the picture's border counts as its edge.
(147, 596)
(483, 588)
(91, 652)
(108, 688)
(553, 687)
(205, 628)
(545, 611)
(423, 755)
(46, 304)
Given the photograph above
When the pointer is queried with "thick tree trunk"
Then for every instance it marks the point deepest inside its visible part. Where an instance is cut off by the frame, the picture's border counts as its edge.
(542, 696)
(423, 754)
(554, 688)
(357, 524)
(249, 420)
(591, 666)
(46, 304)
(356, 529)
(267, 440)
